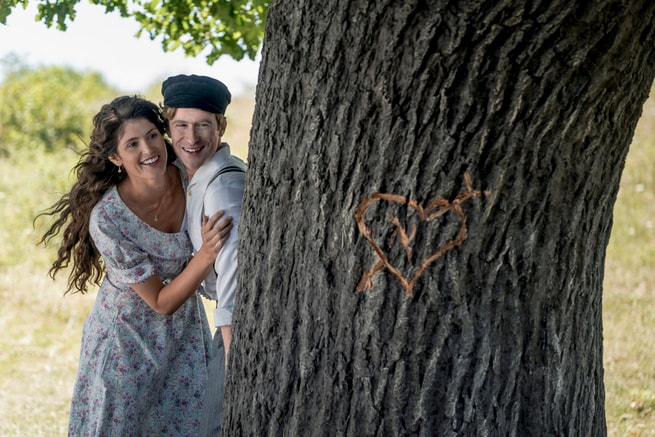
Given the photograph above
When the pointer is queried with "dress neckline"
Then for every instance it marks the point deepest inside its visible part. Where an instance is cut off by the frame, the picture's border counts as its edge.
(183, 225)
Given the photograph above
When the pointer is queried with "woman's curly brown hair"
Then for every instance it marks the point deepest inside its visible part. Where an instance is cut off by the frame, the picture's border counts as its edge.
(95, 175)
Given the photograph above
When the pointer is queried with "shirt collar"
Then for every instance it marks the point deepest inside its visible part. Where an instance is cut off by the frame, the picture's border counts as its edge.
(219, 160)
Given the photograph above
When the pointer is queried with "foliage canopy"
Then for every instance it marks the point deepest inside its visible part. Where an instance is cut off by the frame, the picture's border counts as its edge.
(210, 27)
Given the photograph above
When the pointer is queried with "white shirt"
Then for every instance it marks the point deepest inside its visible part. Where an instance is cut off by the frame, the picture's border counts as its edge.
(223, 193)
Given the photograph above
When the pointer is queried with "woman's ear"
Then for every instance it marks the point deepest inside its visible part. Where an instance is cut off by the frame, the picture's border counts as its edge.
(116, 161)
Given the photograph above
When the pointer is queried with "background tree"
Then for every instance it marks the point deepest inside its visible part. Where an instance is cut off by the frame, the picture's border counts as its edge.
(47, 108)
(502, 333)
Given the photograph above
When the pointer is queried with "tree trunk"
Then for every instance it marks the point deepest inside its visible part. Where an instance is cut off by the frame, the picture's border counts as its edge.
(427, 209)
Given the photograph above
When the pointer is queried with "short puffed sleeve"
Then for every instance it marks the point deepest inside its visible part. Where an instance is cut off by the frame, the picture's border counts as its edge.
(112, 231)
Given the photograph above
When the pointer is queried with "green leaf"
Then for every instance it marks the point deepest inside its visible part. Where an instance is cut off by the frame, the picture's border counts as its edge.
(213, 28)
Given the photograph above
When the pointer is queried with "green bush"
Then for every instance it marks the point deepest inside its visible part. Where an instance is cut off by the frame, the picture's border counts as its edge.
(48, 109)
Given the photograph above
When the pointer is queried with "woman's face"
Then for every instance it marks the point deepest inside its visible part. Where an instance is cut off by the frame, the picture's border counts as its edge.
(141, 150)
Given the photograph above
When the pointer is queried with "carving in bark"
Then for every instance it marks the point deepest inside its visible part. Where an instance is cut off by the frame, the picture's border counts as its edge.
(502, 334)
(434, 209)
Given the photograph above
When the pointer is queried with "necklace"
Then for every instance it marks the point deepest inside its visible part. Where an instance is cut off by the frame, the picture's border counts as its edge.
(157, 212)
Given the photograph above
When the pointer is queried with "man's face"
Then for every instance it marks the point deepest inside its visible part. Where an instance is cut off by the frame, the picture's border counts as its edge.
(196, 137)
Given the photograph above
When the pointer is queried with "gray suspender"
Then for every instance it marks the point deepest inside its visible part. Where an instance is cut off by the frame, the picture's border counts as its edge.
(227, 169)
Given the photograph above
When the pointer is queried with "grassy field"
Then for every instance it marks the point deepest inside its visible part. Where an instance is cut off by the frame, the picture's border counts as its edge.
(629, 286)
(40, 329)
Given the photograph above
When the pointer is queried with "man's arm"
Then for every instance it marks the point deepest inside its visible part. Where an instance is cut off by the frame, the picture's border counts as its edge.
(226, 333)
(226, 196)
(226, 267)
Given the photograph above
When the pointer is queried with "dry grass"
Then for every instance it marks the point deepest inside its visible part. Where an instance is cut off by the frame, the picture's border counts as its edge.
(628, 304)
(40, 329)
(39, 346)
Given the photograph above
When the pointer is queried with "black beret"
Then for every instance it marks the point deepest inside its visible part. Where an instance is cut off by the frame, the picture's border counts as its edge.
(199, 92)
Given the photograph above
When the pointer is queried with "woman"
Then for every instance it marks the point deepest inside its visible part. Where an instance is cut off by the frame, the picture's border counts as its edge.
(146, 343)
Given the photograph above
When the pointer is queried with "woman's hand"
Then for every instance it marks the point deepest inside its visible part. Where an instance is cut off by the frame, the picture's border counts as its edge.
(166, 299)
(214, 235)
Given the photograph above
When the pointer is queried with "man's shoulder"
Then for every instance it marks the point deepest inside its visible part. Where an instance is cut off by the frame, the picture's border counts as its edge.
(228, 175)
(225, 158)
(224, 162)
(234, 164)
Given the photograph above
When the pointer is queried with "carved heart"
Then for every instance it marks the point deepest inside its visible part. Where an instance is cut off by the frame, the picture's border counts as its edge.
(435, 208)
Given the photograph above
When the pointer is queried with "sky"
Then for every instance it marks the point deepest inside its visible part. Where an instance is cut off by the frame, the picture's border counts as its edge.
(106, 43)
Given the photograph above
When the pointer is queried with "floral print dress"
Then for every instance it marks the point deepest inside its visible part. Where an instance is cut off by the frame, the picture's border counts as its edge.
(140, 373)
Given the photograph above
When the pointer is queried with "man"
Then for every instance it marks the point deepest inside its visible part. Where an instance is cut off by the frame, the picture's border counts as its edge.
(195, 107)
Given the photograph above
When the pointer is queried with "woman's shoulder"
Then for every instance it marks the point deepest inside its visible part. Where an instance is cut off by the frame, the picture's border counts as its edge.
(107, 199)
(109, 207)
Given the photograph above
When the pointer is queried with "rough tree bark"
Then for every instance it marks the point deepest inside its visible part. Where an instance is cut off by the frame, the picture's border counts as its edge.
(493, 326)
